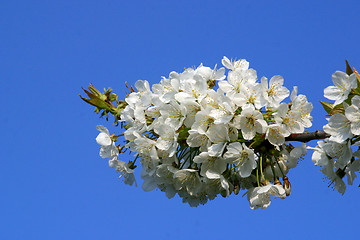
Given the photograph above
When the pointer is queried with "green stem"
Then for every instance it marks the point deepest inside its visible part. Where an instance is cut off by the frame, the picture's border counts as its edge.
(261, 170)
(182, 165)
(272, 169)
(257, 175)
(280, 168)
(354, 140)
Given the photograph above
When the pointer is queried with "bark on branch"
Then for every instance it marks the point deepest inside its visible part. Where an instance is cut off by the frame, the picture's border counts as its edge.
(308, 136)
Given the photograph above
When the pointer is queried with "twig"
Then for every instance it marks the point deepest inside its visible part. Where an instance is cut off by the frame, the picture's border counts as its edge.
(308, 136)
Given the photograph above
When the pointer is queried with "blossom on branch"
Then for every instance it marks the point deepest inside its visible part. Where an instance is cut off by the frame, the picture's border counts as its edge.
(336, 153)
(206, 132)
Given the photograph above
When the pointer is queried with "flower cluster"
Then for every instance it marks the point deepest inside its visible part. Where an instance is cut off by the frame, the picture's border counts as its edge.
(201, 133)
(336, 154)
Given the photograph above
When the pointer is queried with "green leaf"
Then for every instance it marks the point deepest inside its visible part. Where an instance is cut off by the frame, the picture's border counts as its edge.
(328, 107)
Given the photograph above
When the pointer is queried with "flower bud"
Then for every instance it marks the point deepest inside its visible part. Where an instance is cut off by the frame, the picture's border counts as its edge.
(277, 182)
(287, 186)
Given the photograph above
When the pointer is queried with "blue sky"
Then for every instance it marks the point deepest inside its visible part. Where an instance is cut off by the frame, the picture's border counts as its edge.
(54, 184)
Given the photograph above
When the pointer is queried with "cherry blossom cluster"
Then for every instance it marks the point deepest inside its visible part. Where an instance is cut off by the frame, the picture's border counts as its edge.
(201, 133)
(336, 154)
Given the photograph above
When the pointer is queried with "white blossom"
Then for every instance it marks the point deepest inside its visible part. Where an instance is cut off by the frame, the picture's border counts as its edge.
(243, 157)
(260, 197)
(319, 156)
(189, 180)
(343, 85)
(250, 122)
(276, 134)
(126, 172)
(352, 113)
(211, 166)
(290, 120)
(334, 176)
(300, 103)
(108, 147)
(339, 127)
(275, 92)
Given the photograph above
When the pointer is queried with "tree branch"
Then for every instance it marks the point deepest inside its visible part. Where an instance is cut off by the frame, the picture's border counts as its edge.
(308, 136)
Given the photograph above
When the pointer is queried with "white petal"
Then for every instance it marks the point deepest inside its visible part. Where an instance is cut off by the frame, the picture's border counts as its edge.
(103, 139)
(103, 129)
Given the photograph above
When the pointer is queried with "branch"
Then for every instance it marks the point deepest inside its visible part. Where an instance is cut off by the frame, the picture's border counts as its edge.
(308, 136)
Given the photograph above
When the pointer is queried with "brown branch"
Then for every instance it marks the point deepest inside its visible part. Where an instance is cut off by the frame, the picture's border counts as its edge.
(307, 136)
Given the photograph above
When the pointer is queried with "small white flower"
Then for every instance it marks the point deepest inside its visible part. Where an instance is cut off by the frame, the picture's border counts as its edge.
(340, 151)
(292, 158)
(211, 166)
(261, 196)
(250, 122)
(193, 89)
(335, 177)
(241, 64)
(352, 113)
(242, 156)
(275, 92)
(150, 179)
(126, 172)
(194, 200)
(211, 74)
(217, 185)
(203, 120)
(108, 148)
(103, 138)
(224, 111)
(196, 139)
(300, 103)
(319, 156)
(250, 93)
(219, 135)
(189, 180)
(192, 108)
(146, 148)
(343, 85)
(339, 128)
(166, 89)
(167, 139)
(174, 113)
(289, 119)
(276, 134)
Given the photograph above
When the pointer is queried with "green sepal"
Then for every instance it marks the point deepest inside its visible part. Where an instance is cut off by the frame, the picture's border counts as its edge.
(96, 101)
(349, 70)
(337, 109)
(331, 109)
